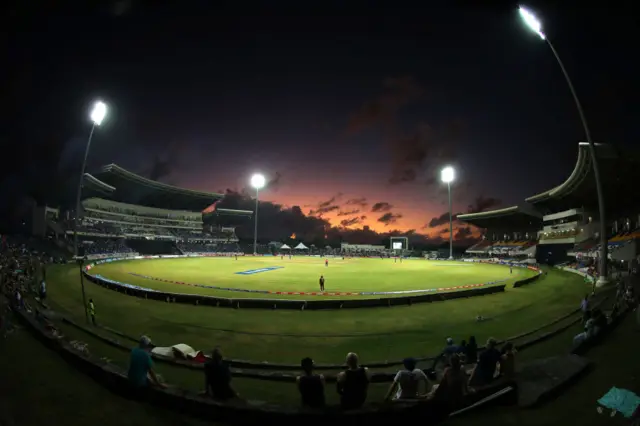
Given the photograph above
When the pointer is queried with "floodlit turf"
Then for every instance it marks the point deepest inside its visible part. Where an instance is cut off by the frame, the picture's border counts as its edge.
(287, 336)
(301, 274)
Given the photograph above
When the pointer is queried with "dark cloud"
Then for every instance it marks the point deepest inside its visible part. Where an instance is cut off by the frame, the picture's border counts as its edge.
(389, 218)
(423, 152)
(382, 111)
(361, 201)
(279, 222)
(348, 212)
(274, 183)
(462, 233)
(323, 210)
(330, 201)
(165, 162)
(381, 206)
(326, 206)
(444, 231)
(482, 203)
(350, 222)
(440, 220)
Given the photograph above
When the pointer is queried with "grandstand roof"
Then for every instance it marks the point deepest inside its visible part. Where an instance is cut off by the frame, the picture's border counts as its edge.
(232, 212)
(512, 218)
(619, 174)
(128, 187)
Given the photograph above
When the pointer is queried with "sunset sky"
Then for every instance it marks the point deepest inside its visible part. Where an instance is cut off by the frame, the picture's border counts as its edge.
(335, 103)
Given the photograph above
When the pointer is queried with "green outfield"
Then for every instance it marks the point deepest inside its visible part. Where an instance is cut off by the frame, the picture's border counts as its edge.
(301, 274)
(288, 335)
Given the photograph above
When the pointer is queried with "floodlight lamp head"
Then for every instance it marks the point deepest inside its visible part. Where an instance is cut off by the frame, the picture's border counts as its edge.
(532, 22)
(448, 174)
(258, 181)
(98, 112)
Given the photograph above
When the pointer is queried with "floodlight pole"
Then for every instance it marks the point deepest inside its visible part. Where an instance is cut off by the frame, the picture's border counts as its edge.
(80, 261)
(79, 194)
(603, 277)
(255, 230)
(450, 224)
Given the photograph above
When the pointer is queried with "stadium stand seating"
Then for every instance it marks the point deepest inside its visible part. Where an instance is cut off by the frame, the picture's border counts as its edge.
(110, 227)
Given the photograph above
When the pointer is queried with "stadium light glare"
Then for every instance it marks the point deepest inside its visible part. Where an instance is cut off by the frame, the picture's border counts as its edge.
(98, 112)
(257, 181)
(448, 174)
(534, 24)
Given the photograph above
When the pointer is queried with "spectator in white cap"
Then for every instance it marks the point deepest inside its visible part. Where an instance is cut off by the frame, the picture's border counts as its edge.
(141, 372)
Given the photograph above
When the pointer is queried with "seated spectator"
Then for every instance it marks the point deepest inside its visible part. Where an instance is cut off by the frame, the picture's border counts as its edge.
(487, 362)
(462, 348)
(471, 351)
(141, 366)
(353, 383)
(311, 386)
(450, 349)
(218, 378)
(406, 384)
(453, 386)
(588, 330)
(508, 361)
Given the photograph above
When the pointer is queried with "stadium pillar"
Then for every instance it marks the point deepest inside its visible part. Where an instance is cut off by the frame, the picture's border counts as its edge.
(534, 24)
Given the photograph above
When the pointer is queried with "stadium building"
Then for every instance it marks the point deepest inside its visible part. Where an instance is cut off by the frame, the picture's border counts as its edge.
(561, 224)
(122, 212)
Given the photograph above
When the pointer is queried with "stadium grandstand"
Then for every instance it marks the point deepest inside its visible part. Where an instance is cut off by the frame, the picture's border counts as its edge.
(561, 224)
(125, 213)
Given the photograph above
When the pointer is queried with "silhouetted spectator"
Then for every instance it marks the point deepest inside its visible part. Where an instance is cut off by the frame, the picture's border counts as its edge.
(508, 361)
(471, 351)
(218, 377)
(487, 363)
(311, 386)
(407, 382)
(141, 366)
(588, 332)
(452, 387)
(353, 383)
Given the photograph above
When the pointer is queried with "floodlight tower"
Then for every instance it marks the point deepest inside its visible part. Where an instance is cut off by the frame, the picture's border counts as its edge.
(257, 181)
(97, 115)
(536, 26)
(447, 175)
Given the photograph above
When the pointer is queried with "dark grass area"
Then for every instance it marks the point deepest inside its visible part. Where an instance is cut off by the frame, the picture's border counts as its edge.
(377, 334)
(614, 363)
(37, 387)
(33, 376)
